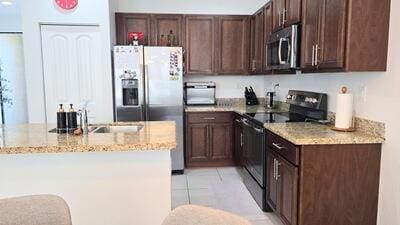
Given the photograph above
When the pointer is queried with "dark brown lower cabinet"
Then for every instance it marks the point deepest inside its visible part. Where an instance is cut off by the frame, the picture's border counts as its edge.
(209, 139)
(323, 184)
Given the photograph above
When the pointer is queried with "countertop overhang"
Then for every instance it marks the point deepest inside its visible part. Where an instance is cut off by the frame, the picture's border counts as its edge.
(35, 138)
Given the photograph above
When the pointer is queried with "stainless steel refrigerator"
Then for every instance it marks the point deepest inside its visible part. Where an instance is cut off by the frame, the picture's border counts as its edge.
(148, 86)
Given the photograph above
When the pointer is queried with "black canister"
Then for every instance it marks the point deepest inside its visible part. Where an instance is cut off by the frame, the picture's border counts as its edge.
(61, 120)
(71, 120)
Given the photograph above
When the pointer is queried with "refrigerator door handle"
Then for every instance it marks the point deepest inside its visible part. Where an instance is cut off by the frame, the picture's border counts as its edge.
(146, 88)
(141, 93)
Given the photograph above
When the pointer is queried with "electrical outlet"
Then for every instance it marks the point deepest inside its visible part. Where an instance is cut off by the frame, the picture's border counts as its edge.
(363, 94)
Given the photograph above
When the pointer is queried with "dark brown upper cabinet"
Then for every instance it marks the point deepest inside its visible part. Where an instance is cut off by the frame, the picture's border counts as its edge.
(257, 42)
(132, 22)
(200, 44)
(267, 34)
(342, 36)
(162, 25)
(233, 50)
(285, 13)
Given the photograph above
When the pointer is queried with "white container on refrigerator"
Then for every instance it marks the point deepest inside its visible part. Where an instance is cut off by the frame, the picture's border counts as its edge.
(157, 74)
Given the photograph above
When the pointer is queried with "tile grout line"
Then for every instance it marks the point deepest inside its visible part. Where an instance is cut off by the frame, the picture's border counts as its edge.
(187, 188)
(220, 177)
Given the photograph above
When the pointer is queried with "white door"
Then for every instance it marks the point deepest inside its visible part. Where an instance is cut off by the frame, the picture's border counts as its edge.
(73, 71)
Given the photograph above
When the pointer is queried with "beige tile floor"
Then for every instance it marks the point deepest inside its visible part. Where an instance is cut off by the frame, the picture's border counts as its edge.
(220, 188)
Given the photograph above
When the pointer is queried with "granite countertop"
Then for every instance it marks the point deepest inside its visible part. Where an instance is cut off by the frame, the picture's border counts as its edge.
(317, 134)
(35, 138)
(240, 109)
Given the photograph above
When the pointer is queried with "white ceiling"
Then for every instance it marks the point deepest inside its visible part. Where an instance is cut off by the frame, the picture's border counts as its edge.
(12, 10)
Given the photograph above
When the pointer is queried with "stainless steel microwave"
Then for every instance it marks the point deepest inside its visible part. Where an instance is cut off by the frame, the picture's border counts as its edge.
(283, 49)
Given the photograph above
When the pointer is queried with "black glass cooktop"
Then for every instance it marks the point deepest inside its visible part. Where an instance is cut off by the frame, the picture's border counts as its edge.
(275, 117)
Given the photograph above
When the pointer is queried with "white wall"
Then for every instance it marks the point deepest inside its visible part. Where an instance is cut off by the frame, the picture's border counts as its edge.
(35, 13)
(191, 6)
(380, 102)
(233, 86)
(10, 17)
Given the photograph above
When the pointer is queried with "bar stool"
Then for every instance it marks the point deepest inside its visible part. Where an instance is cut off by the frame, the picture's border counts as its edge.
(199, 215)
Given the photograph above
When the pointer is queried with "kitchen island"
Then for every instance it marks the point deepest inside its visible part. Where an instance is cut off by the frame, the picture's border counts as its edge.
(109, 177)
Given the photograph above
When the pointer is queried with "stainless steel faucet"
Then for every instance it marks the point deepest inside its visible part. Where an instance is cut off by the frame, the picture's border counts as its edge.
(84, 123)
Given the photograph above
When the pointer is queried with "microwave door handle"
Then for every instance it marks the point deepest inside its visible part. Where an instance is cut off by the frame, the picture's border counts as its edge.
(288, 50)
(280, 51)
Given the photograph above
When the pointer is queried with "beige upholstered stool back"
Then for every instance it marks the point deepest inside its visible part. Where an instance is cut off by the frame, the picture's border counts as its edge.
(198, 215)
(34, 210)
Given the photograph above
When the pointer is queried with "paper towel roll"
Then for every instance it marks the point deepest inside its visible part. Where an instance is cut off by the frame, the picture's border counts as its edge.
(344, 111)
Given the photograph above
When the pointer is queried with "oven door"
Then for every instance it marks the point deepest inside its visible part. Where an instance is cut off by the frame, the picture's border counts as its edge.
(253, 150)
(282, 49)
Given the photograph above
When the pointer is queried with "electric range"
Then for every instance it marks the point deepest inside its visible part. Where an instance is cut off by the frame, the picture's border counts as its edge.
(303, 106)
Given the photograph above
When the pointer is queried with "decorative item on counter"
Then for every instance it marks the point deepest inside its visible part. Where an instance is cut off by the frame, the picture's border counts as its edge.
(61, 120)
(270, 100)
(171, 38)
(162, 41)
(135, 38)
(71, 120)
(344, 120)
(251, 97)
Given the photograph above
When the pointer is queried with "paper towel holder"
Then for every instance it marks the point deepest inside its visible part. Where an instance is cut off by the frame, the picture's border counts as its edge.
(353, 127)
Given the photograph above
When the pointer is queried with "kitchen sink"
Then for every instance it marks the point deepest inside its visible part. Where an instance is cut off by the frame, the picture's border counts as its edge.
(90, 128)
(118, 129)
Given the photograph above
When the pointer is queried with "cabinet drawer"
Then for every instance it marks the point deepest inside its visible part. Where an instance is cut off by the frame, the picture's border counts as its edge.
(209, 117)
(283, 147)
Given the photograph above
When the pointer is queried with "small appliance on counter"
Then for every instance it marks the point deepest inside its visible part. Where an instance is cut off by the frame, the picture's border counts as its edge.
(200, 93)
(250, 96)
(270, 101)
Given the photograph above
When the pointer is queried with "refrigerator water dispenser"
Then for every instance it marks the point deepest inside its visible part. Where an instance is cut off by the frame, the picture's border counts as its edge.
(130, 92)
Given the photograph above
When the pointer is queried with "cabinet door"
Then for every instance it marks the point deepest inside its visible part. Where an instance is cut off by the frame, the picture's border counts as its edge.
(292, 12)
(197, 143)
(238, 147)
(163, 24)
(233, 50)
(272, 185)
(331, 47)
(257, 57)
(267, 34)
(131, 22)
(310, 19)
(288, 186)
(221, 141)
(277, 14)
(200, 44)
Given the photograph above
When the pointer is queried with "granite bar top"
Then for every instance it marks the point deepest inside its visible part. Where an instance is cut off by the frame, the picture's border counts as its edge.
(35, 138)
(317, 134)
(240, 109)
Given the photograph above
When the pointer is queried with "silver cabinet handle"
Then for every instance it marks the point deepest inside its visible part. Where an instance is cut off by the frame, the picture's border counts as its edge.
(241, 139)
(316, 54)
(209, 118)
(313, 56)
(237, 120)
(274, 168)
(279, 18)
(278, 146)
(284, 15)
(254, 65)
(277, 169)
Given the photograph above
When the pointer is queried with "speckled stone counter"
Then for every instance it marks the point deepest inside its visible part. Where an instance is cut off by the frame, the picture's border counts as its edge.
(316, 134)
(35, 138)
(240, 109)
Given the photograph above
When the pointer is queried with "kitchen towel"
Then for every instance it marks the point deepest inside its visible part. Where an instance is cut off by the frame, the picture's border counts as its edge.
(344, 110)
